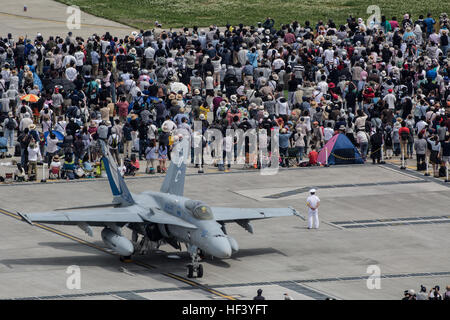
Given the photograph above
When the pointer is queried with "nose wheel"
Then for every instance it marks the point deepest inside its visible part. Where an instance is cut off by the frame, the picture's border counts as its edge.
(191, 270)
(195, 267)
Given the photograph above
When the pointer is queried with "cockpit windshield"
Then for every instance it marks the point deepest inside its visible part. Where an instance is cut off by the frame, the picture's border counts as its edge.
(199, 210)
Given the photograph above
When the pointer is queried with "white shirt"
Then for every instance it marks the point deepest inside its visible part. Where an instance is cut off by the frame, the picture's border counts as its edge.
(312, 200)
(278, 63)
(68, 59)
(329, 54)
(149, 53)
(390, 100)
(79, 56)
(170, 125)
(328, 133)
(34, 154)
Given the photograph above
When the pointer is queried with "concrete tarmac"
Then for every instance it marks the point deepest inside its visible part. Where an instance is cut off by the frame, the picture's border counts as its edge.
(50, 19)
(370, 215)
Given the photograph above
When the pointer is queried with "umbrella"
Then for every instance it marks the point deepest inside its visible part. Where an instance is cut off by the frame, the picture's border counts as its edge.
(30, 98)
(58, 135)
(178, 86)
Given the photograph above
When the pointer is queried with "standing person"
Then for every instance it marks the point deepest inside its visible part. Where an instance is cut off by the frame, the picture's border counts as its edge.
(363, 140)
(445, 149)
(284, 146)
(299, 144)
(434, 294)
(388, 143)
(376, 141)
(162, 156)
(313, 203)
(420, 145)
(10, 125)
(287, 297)
(127, 139)
(434, 155)
(122, 105)
(404, 135)
(447, 293)
(113, 143)
(151, 156)
(34, 155)
(328, 133)
(259, 295)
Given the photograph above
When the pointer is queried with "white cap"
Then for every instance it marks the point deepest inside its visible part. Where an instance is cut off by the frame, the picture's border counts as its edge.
(411, 292)
(312, 191)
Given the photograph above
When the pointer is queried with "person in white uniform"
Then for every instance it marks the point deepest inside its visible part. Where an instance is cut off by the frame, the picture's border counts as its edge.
(313, 203)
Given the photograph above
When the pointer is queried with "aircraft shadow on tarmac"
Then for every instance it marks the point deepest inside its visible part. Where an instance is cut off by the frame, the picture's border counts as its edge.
(159, 258)
(82, 261)
(68, 246)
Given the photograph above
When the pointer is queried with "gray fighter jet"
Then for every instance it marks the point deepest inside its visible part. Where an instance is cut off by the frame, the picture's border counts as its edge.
(164, 217)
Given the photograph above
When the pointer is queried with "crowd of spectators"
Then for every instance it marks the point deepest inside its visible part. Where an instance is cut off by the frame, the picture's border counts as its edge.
(433, 294)
(384, 85)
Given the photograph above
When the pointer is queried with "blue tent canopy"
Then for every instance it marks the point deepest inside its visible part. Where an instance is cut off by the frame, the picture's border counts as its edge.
(340, 150)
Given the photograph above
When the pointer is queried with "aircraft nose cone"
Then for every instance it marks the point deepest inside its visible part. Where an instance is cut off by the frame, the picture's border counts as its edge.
(220, 247)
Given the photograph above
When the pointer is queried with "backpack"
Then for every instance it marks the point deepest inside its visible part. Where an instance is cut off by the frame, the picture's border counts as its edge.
(10, 125)
(114, 141)
(388, 139)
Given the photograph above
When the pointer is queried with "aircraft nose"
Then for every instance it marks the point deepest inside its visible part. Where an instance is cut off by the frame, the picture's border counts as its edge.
(220, 247)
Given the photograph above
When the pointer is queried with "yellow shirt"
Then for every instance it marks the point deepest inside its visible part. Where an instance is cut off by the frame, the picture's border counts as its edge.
(204, 111)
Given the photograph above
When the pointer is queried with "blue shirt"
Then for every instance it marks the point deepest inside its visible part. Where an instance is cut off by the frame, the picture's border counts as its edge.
(3, 144)
(150, 153)
(284, 139)
(429, 22)
(95, 57)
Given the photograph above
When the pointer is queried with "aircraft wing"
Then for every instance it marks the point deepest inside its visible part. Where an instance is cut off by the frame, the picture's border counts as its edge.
(232, 214)
(91, 217)
(100, 217)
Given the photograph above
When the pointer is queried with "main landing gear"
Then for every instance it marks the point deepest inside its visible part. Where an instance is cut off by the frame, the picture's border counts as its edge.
(194, 266)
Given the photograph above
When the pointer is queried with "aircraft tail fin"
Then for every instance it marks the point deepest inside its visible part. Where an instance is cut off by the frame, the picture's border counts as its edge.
(174, 181)
(118, 186)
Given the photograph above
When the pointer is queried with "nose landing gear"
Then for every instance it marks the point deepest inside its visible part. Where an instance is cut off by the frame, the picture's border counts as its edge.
(194, 266)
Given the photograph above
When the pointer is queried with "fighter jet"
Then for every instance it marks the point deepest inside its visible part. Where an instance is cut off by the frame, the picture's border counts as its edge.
(164, 217)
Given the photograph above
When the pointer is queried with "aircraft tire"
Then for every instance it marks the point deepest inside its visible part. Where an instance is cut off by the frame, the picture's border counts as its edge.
(125, 259)
(190, 271)
(200, 271)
